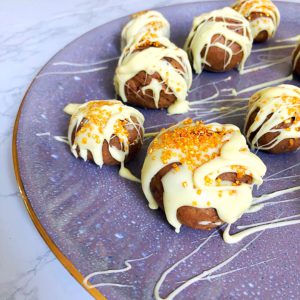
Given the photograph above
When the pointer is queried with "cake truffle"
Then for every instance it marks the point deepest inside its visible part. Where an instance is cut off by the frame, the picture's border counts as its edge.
(200, 175)
(145, 21)
(154, 73)
(296, 60)
(273, 119)
(104, 131)
(219, 41)
(263, 16)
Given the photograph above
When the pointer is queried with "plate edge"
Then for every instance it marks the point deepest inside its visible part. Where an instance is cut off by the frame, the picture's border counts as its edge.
(53, 247)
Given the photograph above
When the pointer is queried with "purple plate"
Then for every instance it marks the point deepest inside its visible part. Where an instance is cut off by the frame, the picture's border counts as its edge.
(95, 221)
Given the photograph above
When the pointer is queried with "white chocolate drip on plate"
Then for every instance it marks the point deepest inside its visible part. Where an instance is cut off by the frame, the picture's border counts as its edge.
(146, 21)
(153, 60)
(216, 23)
(195, 182)
(294, 38)
(274, 105)
(276, 223)
(128, 267)
(98, 121)
(268, 19)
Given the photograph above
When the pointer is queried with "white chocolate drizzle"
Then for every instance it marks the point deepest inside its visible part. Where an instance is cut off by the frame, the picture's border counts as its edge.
(280, 104)
(62, 139)
(210, 83)
(234, 92)
(265, 197)
(71, 72)
(235, 199)
(43, 133)
(59, 138)
(230, 112)
(284, 177)
(283, 170)
(268, 19)
(257, 207)
(104, 117)
(151, 60)
(289, 39)
(271, 48)
(147, 21)
(128, 267)
(76, 64)
(268, 222)
(208, 274)
(262, 201)
(237, 237)
(263, 66)
(126, 173)
(206, 26)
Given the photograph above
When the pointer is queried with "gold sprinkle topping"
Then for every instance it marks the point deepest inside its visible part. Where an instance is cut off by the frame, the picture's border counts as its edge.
(175, 167)
(232, 192)
(193, 143)
(96, 115)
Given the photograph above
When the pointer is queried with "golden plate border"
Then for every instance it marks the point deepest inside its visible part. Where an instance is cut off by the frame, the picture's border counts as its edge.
(53, 247)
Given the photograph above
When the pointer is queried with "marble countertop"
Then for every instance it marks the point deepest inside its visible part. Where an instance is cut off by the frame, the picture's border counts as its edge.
(30, 33)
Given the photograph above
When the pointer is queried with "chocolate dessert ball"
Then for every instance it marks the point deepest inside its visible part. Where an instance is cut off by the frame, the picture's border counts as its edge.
(263, 16)
(273, 119)
(200, 175)
(154, 73)
(219, 41)
(105, 131)
(145, 21)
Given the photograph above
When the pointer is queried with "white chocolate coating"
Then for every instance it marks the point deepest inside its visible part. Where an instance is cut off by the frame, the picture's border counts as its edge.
(148, 21)
(103, 124)
(205, 27)
(151, 60)
(181, 186)
(283, 102)
(269, 19)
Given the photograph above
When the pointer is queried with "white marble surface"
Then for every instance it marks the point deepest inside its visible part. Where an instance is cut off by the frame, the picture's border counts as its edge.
(30, 33)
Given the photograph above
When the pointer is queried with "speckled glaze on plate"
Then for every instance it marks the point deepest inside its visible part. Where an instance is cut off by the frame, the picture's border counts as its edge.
(94, 220)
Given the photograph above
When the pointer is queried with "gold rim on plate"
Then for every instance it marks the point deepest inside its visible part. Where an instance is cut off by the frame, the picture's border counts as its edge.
(53, 247)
